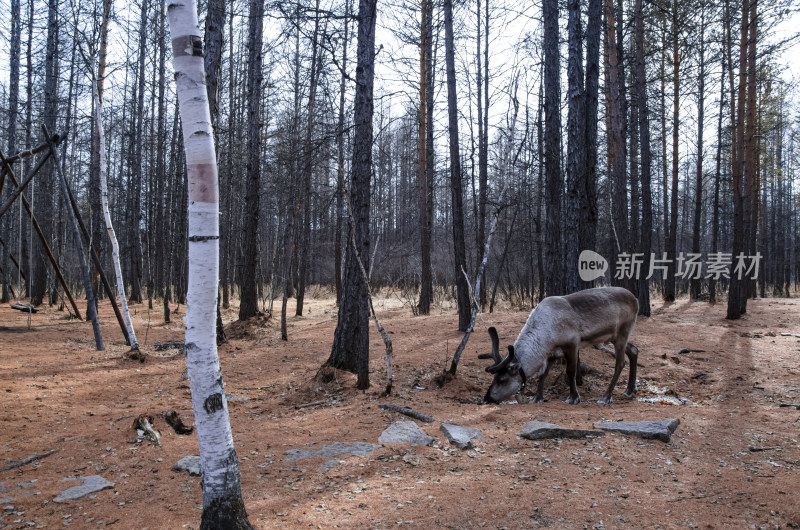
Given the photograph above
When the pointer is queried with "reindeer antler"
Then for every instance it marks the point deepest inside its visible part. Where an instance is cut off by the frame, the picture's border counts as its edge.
(495, 347)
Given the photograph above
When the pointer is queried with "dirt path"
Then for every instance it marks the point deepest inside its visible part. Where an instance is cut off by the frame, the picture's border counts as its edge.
(733, 461)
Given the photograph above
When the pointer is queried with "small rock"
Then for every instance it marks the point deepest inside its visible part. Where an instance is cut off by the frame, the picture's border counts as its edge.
(658, 430)
(540, 430)
(405, 432)
(461, 436)
(90, 484)
(190, 464)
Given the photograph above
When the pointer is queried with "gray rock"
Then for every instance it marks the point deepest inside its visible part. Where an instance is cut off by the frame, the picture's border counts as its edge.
(190, 464)
(90, 484)
(405, 432)
(658, 430)
(541, 430)
(461, 436)
(334, 449)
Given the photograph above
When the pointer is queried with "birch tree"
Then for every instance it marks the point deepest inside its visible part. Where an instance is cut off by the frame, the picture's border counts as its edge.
(112, 236)
(223, 506)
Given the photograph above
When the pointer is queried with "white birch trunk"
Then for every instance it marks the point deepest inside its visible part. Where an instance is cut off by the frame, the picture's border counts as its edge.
(107, 216)
(223, 506)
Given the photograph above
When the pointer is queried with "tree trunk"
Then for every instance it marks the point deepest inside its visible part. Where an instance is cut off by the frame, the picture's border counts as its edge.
(429, 139)
(664, 159)
(483, 139)
(456, 189)
(248, 306)
(13, 110)
(552, 149)
(616, 141)
(44, 188)
(641, 114)
(136, 169)
(672, 240)
(98, 104)
(737, 296)
(587, 238)
(223, 506)
(712, 282)
(340, 158)
(576, 146)
(308, 159)
(95, 201)
(350, 349)
(752, 180)
(696, 283)
(540, 199)
(215, 19)
(426, 287)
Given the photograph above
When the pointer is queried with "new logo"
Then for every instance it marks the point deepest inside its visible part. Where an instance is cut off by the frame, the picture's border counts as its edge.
(591, 265)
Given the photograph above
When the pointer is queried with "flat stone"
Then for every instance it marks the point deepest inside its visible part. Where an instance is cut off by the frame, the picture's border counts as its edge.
(658, 430)
(461, 436)
(190, 464)
(333, 450)
(90, 484)
(405, 432)
(541, 430)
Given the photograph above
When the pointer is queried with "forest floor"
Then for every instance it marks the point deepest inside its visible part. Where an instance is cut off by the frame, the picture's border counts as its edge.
(734, 461)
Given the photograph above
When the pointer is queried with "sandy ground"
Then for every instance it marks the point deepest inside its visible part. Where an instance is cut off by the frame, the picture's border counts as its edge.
(733, 461)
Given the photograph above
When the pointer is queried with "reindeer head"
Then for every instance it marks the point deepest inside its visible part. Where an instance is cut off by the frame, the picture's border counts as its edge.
(509, 378)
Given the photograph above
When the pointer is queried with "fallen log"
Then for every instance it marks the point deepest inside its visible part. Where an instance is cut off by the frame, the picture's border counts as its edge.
(26, 308)
(174, 421)
(408, 412)
(32, 458)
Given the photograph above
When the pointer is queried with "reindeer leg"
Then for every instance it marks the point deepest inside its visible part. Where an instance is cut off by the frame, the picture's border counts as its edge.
(619, 348)
(633, 355)
(571, 355)
(579, 372)
(539, 397)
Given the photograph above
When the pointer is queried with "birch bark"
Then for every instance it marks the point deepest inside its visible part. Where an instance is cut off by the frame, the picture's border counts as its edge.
(100, 136)
(223, 506)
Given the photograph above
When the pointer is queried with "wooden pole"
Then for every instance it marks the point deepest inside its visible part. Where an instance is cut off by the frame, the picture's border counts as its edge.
(38, 230)
(97, 263)
(36, 150)
(91, 306)
(14, 261)
(19, 189)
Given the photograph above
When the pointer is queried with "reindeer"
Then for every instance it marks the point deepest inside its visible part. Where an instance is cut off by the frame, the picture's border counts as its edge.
(561, 325)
